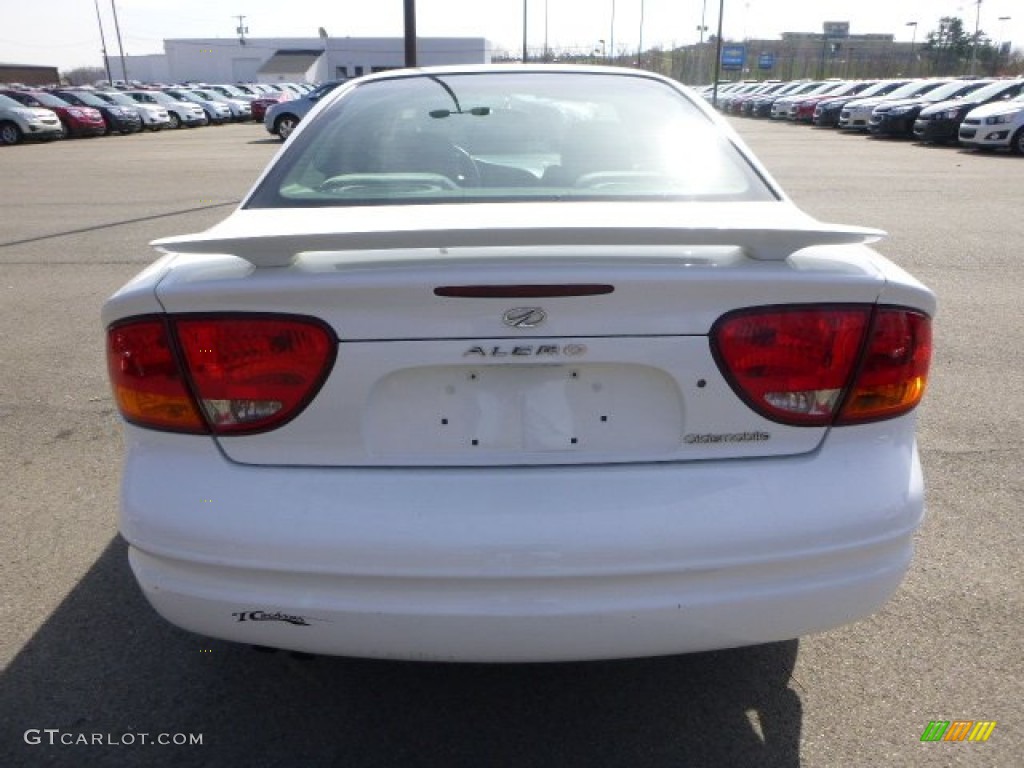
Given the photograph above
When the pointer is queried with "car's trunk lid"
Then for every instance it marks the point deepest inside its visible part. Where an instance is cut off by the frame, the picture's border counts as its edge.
(434, 367)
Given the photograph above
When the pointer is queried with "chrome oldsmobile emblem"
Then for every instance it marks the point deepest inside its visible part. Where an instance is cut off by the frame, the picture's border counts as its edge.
(524, 317)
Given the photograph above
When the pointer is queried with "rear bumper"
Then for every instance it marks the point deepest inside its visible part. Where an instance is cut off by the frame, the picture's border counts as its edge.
(521, 564)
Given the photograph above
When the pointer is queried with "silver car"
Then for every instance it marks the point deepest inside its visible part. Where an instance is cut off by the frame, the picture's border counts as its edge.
(180, 112)
(239, 108)
(18, 122)
(217, 112)
(281, 119)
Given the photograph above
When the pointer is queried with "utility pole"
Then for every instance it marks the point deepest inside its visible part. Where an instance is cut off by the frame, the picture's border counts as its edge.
(410, 33)
(913, 39)
(120, 46)
(241, 29)
(718, 53)
(103, 42)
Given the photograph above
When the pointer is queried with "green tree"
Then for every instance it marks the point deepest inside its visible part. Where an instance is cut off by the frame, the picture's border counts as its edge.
(952, 48)
(948, 45)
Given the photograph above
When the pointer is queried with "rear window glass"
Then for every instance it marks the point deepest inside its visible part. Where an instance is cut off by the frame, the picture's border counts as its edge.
(508, 136)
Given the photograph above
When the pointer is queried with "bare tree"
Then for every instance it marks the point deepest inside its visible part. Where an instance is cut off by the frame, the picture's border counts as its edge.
(83, 75)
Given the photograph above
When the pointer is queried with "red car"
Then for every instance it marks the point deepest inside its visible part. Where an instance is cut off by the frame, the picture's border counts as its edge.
(265, 102)
(76, 121)
(804, 112)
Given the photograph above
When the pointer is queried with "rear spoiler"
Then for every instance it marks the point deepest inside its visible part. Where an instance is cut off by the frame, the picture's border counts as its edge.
(256, 236)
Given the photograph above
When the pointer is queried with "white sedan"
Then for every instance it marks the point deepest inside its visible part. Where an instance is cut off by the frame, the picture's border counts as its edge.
(518, 364)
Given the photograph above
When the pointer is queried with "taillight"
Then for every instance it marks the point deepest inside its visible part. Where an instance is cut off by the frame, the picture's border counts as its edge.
(149, 387)
(236, 374)
(254, 374)
(823, 364)
(894, 372)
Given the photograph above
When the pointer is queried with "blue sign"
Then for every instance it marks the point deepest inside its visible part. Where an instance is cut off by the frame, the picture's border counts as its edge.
(733, 56)
(766, 61)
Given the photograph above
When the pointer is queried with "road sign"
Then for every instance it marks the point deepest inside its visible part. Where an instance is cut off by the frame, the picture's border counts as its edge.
(733, 56)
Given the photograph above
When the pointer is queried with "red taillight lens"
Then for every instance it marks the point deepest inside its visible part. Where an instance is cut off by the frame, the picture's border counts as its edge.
(791, 365)
(148, 384)
(254, 374)
(894, 374)
(801, 365)
(247, 373)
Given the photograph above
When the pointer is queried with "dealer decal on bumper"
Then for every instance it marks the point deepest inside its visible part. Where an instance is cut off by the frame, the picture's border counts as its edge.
(298, 621)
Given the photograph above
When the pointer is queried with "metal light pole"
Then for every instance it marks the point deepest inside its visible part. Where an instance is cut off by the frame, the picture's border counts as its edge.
(524, 32)
(640, 46)
(120, 46)
(103, 42)
(611, 39)
(700, 48)
(1002, 43)
(547, 54)
(913, 39)
(974, 43)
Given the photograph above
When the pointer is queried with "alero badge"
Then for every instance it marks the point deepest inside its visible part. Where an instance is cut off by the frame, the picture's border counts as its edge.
(524, 317)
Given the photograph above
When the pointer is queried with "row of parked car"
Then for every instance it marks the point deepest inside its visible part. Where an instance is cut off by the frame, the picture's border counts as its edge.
(66, 112)
(980, 113)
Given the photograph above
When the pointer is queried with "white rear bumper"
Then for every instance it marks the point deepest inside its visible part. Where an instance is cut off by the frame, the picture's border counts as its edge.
(522, 564)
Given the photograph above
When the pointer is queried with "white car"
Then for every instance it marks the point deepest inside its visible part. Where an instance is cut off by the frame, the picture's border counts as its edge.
(999, 125)
(154, 116)
(490, 365)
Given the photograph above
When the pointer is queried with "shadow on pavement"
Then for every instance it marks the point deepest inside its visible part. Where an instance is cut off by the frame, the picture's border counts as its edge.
(124, 222)
(106, 664)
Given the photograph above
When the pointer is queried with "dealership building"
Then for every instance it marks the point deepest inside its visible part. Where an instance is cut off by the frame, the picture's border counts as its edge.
(279, 59)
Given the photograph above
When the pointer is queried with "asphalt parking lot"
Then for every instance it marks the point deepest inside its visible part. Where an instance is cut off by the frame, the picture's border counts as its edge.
(84, 655)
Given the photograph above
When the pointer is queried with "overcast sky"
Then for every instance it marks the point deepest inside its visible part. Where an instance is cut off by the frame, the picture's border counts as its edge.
(65, 33)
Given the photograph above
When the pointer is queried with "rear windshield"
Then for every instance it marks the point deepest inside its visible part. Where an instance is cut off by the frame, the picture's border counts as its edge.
(508, 136)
